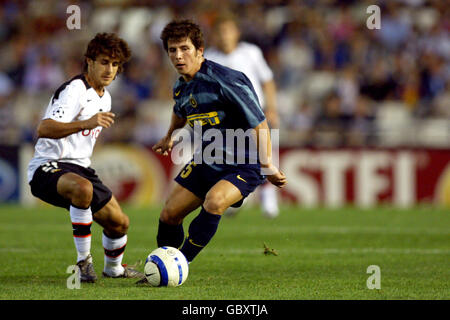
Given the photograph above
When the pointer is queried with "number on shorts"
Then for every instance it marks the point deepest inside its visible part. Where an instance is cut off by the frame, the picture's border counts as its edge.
(49, 166)
(186, 172)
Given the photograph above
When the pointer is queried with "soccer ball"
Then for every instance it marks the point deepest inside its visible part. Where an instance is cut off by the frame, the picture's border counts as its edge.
(166, 267)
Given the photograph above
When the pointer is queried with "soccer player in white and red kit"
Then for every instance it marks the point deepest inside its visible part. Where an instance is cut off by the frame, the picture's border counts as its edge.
(60, 172)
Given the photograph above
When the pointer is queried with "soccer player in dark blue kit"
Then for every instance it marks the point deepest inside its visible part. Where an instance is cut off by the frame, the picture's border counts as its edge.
(213, 97)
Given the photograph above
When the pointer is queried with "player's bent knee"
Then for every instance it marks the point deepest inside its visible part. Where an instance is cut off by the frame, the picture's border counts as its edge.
(82, 193)
(122, 227)
(125, 224)
(117, 227)
(169, 216)
(215, 204)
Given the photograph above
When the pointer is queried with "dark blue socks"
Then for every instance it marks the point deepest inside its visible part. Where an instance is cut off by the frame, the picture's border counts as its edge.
(201, 231)
(170, 235)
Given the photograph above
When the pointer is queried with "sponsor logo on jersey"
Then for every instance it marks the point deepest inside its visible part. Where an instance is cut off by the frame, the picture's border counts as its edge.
(93, 133)
(204, 118)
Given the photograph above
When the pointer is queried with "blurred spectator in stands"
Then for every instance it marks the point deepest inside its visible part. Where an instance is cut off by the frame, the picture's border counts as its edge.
(43, 75)
(295, 55)
(377, 82)
(13, 57)
(360, 127)
(9, 130)
(395, 28)
(341, 29)
(347, 86)
(331, 123)
(137, 80)
(125, 121)
(150, 126)
(410, 89)
(433, 81)
(300, 124)
(433, 76)
(441, 104)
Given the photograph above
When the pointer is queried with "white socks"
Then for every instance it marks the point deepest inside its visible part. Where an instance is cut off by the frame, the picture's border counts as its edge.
(269, 201)
(114, 249)
(81, 226)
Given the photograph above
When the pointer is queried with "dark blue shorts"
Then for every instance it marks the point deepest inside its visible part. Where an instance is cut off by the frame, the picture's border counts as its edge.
(200, 178)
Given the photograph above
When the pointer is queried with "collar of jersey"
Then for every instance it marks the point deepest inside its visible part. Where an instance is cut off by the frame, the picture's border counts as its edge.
(196, 75)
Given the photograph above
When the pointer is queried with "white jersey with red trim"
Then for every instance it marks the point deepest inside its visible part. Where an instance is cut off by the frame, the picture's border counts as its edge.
(74, 100)
(249, 59)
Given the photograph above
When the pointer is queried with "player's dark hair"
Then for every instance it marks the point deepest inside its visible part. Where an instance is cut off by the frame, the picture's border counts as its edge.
(108, 44)
(181, 29)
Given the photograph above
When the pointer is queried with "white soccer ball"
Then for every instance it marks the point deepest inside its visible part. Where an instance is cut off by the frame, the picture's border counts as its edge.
(166, 267)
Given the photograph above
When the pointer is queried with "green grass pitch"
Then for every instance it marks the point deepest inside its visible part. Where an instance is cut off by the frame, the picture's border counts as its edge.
(322, 254)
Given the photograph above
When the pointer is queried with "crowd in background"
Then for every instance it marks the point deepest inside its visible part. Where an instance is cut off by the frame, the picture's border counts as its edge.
(339, 83)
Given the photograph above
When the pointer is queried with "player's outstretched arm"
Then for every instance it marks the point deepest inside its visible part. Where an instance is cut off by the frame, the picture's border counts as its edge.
(164, 146)
(264, 145)
(52, 129)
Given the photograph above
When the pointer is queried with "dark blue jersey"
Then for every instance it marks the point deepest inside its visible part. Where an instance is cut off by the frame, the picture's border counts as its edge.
(221, 98)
